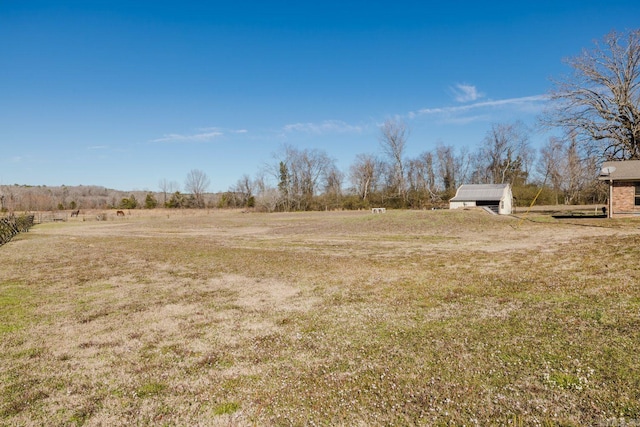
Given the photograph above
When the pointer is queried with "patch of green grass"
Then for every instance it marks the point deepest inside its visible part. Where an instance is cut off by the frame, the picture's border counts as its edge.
(30, 353)
(15, 307)
(564, 380)
(150, 389)
(226, 408)
(79, 417)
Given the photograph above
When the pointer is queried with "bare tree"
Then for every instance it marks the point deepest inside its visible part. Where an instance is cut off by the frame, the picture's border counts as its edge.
(599, 104)
(551, 164)
(568, 168)
(420, 174)
(164, 189)
(421, 179)
(260, 182)
(464, 162)
(312, 166)
(578, 173)
(243, 191)
(299, 174)
(364, 174)
(393, 139)
(448, 165)
(505, 155)
(197, 183)
(268, 198)
(167, 187)
(333, 181)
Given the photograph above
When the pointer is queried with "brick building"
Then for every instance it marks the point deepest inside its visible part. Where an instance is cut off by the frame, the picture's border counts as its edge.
(624, 187)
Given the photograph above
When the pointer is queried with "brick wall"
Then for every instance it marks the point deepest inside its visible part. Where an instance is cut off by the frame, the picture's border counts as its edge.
(623, 198)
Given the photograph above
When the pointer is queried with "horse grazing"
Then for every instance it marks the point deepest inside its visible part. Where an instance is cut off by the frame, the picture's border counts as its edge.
(120, 213)
(75, 213)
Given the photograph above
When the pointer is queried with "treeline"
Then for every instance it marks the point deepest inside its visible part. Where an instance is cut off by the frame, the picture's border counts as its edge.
(560, 172)
(298, 180)
(17, 198)
(43, 198)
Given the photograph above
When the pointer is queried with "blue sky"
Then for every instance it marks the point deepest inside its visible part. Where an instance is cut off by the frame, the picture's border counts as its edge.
(124, 94)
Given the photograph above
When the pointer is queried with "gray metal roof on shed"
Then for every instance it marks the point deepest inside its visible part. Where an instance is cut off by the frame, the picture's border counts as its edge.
(620, 170)
(482, 192)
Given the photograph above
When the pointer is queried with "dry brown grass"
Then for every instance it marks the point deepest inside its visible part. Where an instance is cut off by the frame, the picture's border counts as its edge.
(339, 318)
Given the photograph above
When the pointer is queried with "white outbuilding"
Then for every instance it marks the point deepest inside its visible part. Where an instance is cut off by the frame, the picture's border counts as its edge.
(494, 197)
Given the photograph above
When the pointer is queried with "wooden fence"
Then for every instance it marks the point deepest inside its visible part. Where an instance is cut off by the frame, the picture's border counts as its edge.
(12, 225)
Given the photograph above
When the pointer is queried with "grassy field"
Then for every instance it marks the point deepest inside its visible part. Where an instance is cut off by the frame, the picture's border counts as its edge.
(346, 318)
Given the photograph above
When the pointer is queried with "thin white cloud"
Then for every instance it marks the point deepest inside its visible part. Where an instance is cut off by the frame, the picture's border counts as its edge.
(204, 134)
(466, 93)
(529, 103)
(223, 130)
(464, 120)
(97, 147)
(209, 129)
(198, 137)
(327, 126)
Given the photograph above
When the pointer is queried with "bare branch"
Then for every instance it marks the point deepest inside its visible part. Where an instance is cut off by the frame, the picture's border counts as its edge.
(599, 104)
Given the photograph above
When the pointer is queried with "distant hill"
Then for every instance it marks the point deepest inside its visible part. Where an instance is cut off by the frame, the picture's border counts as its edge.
(44, 198)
